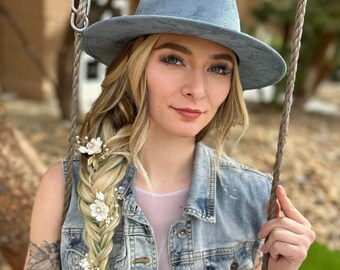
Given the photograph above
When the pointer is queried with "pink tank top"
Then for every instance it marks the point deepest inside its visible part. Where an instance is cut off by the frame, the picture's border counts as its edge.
(162, 210)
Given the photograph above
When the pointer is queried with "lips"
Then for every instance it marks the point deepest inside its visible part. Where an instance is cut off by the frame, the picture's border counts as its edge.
(188, 113)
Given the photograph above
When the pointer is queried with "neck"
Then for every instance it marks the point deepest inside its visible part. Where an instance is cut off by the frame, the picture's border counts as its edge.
(168, 163)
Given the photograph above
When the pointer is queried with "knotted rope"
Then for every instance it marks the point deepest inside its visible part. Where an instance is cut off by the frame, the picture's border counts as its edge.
(79, 22)
(287, 104)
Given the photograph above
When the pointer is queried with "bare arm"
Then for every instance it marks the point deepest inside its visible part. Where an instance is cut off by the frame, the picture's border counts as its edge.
(44, 247)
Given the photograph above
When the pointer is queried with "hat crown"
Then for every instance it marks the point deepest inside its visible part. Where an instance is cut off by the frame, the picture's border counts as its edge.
(214, 20)
(222, 13)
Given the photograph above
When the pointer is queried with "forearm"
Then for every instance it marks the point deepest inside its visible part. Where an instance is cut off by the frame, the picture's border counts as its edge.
(43, 256)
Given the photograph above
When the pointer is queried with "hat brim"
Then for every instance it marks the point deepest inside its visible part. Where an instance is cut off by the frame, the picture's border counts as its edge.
(259, 64)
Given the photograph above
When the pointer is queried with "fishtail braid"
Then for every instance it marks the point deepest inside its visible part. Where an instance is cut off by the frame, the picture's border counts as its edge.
(119, 116)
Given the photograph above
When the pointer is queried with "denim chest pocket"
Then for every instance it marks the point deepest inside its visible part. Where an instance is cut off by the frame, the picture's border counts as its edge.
(75, 250)
(220, 260)
(231, 258)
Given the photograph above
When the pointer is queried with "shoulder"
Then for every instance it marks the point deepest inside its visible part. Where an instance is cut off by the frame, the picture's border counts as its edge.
(48, 206)
(241, 191)
(235, 174)
(52, 183)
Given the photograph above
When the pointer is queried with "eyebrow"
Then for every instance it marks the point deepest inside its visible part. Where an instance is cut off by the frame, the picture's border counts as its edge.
(180, 48)
(175, 47)
(222, 56)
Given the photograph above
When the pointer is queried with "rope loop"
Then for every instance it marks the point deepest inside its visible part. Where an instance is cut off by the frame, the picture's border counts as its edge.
(79, 16)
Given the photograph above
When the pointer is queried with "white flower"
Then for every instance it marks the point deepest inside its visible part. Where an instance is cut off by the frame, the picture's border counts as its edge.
(95, 149)
(99, 210)
(84, 263)
(100, 196)
(82, 149)
(92, 147)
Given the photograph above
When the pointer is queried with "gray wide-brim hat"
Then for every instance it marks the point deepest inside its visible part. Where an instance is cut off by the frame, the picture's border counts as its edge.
(218, 21)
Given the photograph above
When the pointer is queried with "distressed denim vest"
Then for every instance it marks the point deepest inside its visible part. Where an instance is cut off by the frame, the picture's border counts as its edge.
(224, 212)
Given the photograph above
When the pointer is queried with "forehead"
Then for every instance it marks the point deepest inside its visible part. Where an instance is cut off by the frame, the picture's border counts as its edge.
(193, 42)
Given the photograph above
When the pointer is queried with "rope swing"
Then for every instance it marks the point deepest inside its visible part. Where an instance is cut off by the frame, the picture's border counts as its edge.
(287, 105)
(79, 22)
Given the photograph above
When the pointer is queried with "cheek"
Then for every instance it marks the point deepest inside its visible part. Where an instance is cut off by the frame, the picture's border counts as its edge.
(218, 88)
(219, 97)
(157, 79)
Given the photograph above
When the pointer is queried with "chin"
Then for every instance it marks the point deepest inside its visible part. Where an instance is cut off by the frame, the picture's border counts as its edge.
(178, 129)
(186, 133)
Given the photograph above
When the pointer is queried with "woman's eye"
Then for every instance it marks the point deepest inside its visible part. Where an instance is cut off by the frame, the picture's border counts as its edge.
(171, 60)
(221, 70)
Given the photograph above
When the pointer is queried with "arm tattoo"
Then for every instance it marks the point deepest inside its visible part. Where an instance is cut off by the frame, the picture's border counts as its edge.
(45, 256)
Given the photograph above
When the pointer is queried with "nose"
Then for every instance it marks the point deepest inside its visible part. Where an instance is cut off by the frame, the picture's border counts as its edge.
(195, 85)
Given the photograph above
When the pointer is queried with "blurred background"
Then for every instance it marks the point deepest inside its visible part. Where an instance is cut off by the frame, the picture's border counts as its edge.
(36, 54)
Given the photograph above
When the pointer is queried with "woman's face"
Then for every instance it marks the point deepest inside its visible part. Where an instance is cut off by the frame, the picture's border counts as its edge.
(188, 78)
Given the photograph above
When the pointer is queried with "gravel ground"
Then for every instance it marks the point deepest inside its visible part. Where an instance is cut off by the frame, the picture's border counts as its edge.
(310, 169)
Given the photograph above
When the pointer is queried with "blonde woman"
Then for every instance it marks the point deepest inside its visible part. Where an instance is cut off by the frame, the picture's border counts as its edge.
(147, 193)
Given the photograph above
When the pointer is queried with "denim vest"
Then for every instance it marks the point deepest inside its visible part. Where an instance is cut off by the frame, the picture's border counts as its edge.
(224, 213)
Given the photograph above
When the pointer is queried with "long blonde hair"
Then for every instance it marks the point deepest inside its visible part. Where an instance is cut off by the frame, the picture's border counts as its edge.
(120, 117)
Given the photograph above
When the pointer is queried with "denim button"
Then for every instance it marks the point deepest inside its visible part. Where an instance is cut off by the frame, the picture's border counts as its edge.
(182, 233)
(234, 265)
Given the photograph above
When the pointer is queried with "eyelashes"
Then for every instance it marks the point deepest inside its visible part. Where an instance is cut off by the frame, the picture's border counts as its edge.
(171, 59)
(221, 69)
(175, 60)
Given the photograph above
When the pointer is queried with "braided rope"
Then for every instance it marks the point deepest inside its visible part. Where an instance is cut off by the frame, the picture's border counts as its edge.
(80, 20)
(295, 52)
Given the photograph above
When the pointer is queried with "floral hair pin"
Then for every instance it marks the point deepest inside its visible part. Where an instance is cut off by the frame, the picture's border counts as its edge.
(94, 148)
(84, 263)
(101, 211)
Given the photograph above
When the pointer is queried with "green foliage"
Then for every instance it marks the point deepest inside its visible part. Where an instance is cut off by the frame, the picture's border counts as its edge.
(324, 15)
(321, 258)
(321, 28)
(321, 14)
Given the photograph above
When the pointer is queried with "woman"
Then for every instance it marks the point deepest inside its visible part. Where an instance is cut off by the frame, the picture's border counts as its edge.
(147, 193)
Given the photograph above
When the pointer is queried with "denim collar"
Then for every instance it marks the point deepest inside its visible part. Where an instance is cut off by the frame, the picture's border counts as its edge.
(202, 193)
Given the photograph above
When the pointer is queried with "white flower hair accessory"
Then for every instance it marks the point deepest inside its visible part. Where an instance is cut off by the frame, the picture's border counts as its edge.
(84, 263)
(94, 148)
(99, 210)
